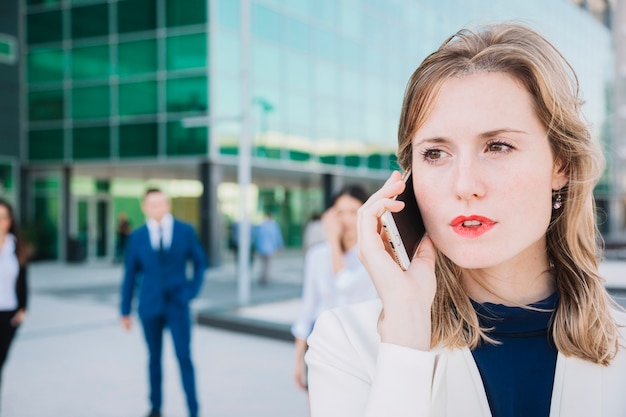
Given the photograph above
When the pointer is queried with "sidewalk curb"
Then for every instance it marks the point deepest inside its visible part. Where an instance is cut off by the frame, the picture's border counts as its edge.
(231, 321)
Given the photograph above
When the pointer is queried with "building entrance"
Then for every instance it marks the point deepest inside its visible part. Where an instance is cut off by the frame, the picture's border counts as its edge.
(90, 228)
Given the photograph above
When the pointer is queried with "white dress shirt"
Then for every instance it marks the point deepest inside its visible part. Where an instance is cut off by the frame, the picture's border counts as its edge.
(158, 230)
(9, 270)
(322, 289)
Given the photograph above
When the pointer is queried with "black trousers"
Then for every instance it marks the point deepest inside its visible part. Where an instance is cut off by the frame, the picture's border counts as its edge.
(7, 332)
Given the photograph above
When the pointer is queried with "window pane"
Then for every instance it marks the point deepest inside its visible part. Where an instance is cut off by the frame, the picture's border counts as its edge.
(226, 60)
(138, 140)
(267, 63)
(182, 141)
(45, 105)
(45, 66)
(90, 21)
(90, 63)
(187, 51)
(90, 102)
(187, 94)
(138, 57)
(45, 144)
(44, 27)
(266, 24)
(185, 12)
(91, 142)
(46, 2)
(136, 15)
(138, 98)
(228, 13)
(298, 35)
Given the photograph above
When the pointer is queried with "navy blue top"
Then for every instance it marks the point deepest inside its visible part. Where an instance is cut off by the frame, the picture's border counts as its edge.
(518, 374)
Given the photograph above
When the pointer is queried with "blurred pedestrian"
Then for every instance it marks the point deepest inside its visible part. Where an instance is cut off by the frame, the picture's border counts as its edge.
(158, 252)
(122, 232)
(268, 240)
(14, 254)
(333, 274)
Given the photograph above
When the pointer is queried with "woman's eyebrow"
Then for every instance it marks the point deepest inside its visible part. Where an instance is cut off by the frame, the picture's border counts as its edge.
(437, 140)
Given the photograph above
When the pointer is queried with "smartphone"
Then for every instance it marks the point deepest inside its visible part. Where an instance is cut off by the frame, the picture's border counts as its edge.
(404, 230)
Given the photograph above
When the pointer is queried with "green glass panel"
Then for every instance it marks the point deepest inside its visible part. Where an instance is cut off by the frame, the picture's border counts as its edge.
(6, 49)
(90, 63)
(267, 152)
(138, 57)
(46, 2)
(136, 15)
(138, 140)
(91, 143)
(7, 182)
(44, 27)
(45, 145)
(299, 155)
(393, 162)
(352, 160)
(186, 51)
(187, 95)
(186, 141)
(46, 185)
(46, 105)
(45, 65)
(90, 102)
(185, 12)
(329, 159)
(43, 228)
(375, 161)
(138, 98)
(90, 21)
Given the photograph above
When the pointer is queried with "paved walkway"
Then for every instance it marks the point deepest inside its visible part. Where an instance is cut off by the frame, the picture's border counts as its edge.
(72, 359)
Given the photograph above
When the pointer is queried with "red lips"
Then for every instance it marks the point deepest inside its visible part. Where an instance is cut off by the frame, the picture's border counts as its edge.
(471, 226)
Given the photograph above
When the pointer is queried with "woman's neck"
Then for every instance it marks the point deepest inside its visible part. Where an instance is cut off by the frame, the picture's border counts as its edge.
(516, 283)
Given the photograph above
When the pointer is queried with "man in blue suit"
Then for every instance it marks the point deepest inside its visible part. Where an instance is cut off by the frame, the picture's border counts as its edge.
(158, 253)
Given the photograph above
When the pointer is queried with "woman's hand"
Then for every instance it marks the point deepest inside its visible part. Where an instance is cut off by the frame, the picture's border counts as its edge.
(18, 318)
(407, 296)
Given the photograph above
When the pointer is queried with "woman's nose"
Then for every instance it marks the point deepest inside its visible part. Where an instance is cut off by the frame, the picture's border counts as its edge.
(468, 179)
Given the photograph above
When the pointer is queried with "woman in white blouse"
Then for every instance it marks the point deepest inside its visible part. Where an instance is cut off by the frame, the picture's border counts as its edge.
(333, 274)
(13, 257)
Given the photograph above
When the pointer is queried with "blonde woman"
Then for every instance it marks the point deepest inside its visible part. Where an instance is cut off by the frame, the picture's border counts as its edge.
(502, 311)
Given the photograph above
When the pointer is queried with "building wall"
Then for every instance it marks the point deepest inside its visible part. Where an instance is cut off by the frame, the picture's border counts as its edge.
(123, 89)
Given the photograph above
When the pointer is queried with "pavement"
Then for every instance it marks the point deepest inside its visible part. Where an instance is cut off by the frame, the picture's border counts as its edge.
(72, 359)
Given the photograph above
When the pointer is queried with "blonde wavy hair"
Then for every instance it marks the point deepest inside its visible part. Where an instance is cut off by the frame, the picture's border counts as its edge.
(582, 325)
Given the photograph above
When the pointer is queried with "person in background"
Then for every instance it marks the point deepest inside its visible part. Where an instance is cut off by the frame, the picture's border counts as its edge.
(14, 254)
(502, 311)
(268, 240)
(158, 252)
(333, 274)
(122, 232)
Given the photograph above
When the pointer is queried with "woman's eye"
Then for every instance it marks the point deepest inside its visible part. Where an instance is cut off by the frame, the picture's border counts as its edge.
(499, 147)
(433, 154)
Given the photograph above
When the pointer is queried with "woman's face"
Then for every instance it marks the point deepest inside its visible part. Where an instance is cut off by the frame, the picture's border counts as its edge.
(5, 220)
(346, 208)
(483, 173)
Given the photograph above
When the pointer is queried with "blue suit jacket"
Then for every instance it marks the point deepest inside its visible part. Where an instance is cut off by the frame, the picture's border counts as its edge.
(164, 283)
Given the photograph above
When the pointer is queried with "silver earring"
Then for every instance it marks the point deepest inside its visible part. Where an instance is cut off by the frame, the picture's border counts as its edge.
(558, 200)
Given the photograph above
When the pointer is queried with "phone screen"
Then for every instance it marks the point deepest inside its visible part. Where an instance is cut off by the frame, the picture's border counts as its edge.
(405, 228)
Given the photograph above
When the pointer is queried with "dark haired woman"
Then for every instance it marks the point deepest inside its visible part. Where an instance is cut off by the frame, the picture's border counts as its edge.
(13, 258)
(333, 274)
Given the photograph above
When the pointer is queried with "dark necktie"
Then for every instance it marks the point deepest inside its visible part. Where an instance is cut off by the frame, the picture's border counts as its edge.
(161, 239)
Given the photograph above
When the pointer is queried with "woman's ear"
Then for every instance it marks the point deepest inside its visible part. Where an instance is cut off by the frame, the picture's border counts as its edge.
(560, 176)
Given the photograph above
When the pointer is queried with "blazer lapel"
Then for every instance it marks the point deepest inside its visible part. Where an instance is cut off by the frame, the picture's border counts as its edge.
(577, 389)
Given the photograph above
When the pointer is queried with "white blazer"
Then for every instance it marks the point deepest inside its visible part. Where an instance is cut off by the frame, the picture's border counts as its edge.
(353, 374)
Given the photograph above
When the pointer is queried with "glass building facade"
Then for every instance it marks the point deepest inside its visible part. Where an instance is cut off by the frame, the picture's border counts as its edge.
(115, 94)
